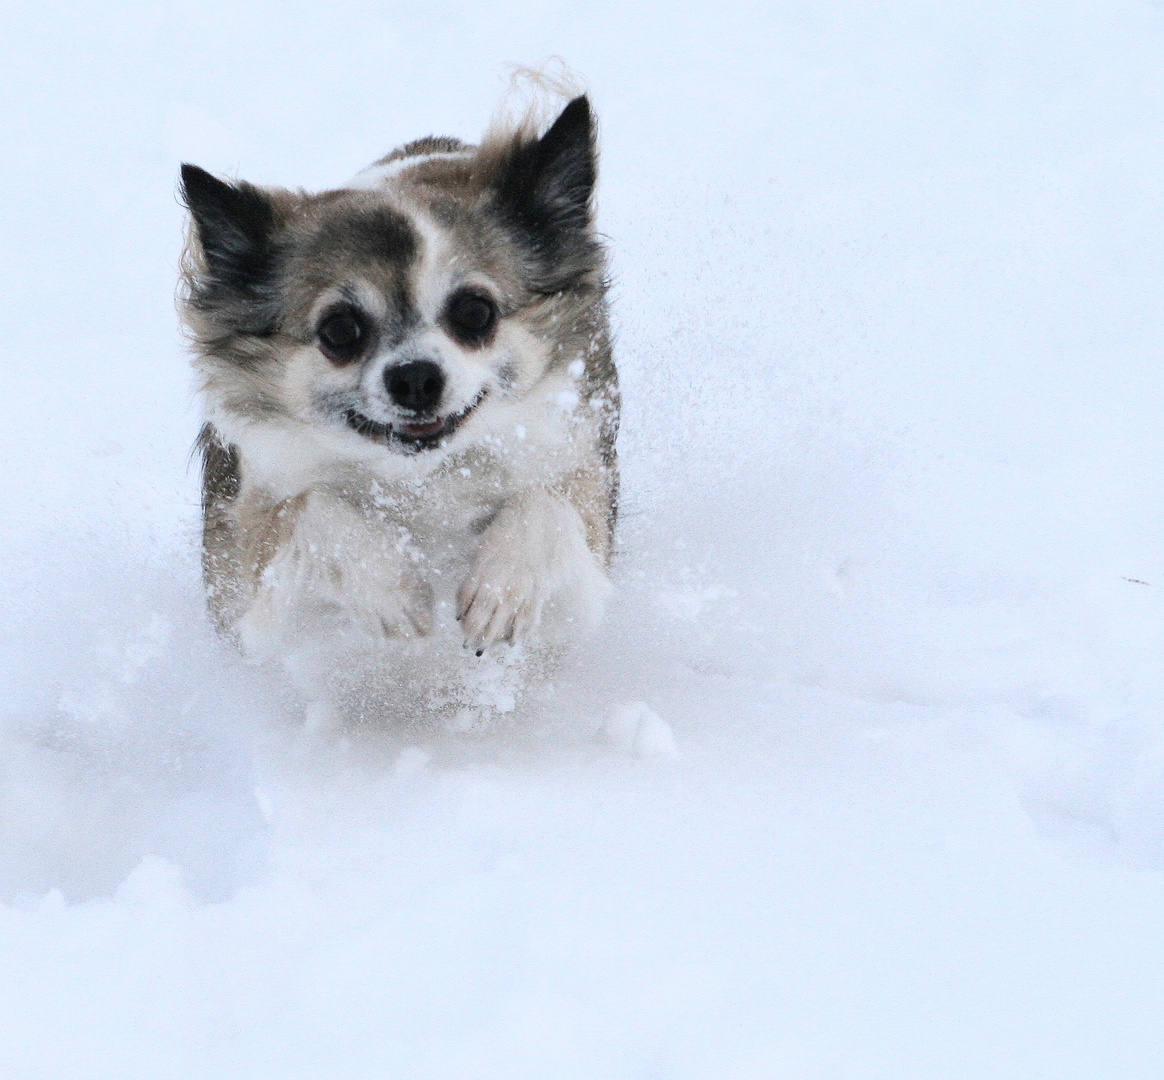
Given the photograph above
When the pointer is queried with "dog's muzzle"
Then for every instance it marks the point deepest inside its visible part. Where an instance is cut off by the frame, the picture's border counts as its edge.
(411, 437)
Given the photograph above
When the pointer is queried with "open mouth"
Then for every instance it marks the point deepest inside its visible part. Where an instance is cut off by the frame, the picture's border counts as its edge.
(411, 437)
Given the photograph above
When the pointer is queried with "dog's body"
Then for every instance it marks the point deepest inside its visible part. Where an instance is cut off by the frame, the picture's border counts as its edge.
(410, 397)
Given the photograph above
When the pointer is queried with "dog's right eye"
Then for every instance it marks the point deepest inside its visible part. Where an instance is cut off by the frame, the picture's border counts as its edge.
(471, 316)
(341, 336)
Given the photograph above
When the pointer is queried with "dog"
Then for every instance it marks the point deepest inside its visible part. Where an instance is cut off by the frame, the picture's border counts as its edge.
(410, 399)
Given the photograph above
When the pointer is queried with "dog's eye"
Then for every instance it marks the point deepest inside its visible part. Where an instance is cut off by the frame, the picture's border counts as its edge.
(471, 317)
(341, 336)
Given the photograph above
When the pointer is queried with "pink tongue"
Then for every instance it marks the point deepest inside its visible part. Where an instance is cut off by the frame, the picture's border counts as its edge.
(420, 430)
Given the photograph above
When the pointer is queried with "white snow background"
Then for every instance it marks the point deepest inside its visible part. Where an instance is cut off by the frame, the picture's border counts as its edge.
(888, 301)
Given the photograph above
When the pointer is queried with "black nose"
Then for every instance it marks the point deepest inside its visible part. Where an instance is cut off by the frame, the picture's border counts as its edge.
(416, 386)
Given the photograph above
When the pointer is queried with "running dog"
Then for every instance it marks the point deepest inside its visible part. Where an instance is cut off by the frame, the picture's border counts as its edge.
(410, 399)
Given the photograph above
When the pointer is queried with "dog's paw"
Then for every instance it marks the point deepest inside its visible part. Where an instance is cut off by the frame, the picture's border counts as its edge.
(401, 609)
(501, 599)
(335, 569)
(366, 576)
(534, 551)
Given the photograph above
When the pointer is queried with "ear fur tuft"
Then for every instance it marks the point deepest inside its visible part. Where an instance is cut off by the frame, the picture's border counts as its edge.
(544, 187)
(232, 260)
(235, 224)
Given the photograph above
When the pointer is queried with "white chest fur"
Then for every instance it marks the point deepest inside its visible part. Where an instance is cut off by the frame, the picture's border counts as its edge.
(388, 546)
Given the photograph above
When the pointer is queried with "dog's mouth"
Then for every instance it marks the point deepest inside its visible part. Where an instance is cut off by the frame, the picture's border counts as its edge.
(412, 437)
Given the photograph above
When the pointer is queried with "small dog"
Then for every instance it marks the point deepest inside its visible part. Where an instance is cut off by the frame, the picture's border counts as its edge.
(411, 403)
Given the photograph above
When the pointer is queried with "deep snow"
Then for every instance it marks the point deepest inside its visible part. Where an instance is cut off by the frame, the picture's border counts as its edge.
(865, 775)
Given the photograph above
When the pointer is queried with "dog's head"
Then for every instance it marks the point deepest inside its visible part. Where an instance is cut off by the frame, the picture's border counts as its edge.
(392, 310)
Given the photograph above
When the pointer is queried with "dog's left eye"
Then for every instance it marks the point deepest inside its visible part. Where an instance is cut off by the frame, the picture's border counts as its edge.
(471, 316)
(341, 336)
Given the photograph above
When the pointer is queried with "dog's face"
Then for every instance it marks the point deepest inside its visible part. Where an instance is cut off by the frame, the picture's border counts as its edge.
(397, 310)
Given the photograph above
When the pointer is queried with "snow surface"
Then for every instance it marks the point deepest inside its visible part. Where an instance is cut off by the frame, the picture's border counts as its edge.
(865, 776)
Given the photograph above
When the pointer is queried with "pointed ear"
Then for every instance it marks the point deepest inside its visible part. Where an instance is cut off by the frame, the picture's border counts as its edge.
(235, 225)
(544, 186)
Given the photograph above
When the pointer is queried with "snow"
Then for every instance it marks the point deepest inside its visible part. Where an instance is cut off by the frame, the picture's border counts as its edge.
(864, 776)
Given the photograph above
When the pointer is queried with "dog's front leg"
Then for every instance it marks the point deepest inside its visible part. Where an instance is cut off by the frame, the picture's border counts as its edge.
(329, 559)
(533, 551)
